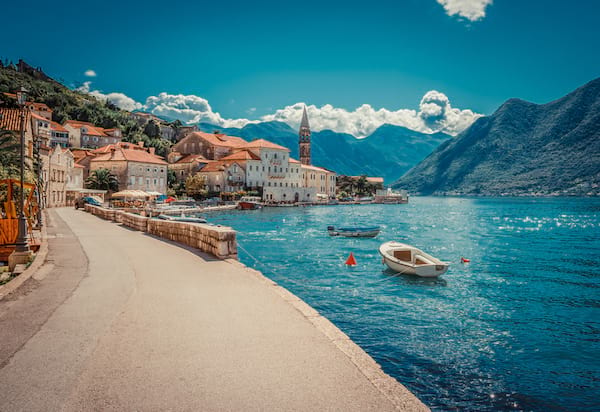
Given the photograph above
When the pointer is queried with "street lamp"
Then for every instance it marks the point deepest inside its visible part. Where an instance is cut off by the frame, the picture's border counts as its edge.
(22, 244)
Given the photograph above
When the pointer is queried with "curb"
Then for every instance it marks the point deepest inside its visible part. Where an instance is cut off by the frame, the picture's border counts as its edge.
(394, 391)
(40, 259)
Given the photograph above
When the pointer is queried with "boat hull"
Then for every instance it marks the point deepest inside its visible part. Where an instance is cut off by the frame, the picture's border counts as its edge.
(248, 206)
(354, 232)
(420, 263)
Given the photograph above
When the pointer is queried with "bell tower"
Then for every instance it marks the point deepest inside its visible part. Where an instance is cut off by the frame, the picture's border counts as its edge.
(304, 140)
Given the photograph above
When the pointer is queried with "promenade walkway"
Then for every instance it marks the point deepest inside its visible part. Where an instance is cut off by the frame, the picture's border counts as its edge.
(119, 320)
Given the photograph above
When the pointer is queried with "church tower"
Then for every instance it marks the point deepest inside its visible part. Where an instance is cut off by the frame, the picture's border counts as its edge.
(304, 139)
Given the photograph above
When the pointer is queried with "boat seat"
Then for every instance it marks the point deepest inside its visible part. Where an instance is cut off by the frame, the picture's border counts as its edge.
(421, 260)
(404, 255)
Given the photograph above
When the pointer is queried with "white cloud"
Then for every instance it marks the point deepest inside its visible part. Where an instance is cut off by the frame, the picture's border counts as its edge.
(120, 100)
(90, 73)
(470, 9)
(435, 113)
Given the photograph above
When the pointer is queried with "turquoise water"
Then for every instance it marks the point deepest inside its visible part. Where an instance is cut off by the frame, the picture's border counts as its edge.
(516, 329)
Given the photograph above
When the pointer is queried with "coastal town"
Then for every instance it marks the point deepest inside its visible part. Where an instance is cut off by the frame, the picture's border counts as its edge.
(235, 206)
(79, 159)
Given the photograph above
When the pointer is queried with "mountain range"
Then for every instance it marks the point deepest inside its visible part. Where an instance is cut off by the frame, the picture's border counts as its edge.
(521, 149)
(388, 152)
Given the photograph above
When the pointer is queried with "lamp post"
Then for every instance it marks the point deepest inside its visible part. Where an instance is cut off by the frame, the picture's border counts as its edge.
(22, 244)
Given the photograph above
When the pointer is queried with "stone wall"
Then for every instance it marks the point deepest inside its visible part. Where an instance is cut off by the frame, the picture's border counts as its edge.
(219, 241)
(216, 240)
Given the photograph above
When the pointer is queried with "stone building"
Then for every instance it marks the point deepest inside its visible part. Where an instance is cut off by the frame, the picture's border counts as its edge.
(86, 135)
(56, 169)
(183, 166)
(213, 146)
(135, 167)
(322, 180)
(224, 176)
(59, 135)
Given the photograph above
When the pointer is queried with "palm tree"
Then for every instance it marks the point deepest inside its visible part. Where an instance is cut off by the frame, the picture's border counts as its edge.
(102, 179)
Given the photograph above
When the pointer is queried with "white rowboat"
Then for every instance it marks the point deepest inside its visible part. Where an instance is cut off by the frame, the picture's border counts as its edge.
(403, 258)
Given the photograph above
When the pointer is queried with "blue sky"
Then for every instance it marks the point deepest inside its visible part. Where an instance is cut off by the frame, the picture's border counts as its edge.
(248, 59)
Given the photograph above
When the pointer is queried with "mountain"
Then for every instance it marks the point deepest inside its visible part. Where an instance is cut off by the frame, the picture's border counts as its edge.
(388, 152)
(523, 148)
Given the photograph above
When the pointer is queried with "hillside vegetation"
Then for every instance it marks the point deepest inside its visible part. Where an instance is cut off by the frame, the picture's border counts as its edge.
(69, 104)
(522, 149)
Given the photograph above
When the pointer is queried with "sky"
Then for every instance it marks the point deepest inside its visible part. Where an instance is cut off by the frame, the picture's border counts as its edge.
(430, 65)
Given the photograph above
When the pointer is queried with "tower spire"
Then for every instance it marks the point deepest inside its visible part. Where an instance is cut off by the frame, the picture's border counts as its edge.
(304, 122)
(304, 139)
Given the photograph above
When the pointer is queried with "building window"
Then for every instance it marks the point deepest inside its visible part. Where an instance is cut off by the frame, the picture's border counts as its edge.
(155, 181)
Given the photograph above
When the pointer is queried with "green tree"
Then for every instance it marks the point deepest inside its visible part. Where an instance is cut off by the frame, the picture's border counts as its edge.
(152, 129)
(195, 185)
(171, 178)
(102, 179)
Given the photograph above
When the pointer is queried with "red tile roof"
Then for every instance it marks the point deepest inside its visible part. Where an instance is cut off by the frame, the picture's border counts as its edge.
(91, 129)
(129, 155)
(214, 139)
(263, 144)
(315, 168)
(42, 107)
(191, 158)
(10, 119)
(57, 127)
(294, 160)
(242, 155)
(214, 167)
(124, 145)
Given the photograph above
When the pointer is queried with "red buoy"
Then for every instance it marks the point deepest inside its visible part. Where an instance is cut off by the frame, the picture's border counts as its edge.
(464, 260)
(351, 261)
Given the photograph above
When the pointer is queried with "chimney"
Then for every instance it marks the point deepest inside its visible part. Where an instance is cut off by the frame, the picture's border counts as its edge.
(152, 150)
(112, 152)
(141, 143)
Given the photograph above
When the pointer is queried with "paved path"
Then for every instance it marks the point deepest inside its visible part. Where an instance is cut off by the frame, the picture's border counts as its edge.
(119, 320)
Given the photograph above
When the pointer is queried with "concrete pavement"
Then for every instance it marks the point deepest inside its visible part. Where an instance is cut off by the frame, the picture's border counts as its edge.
(125, 321)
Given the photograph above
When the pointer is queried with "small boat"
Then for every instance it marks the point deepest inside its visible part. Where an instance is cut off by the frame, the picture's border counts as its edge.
(249, 203)
(188, 219)
(403, 258)
(369, 231)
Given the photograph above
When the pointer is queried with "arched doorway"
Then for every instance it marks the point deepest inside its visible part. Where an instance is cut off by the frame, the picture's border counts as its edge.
(296, 197)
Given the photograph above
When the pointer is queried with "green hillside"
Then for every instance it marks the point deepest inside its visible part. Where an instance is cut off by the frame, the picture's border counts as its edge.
(69, 104)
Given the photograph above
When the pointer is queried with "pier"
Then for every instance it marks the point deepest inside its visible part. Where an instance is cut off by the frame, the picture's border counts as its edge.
(120, 319)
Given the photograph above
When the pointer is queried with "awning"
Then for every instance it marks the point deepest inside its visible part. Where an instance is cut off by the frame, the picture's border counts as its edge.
(131, 194)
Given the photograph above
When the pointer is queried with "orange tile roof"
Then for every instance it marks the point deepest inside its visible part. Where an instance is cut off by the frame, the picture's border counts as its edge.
(57, 127)
(191, 158)
(263, 144)
(37, 106)
(242, 155)
(216, 139)
(129, 155)
(81, 154)
(214, 167)
(124, 145)
(37, 116)
(77, 165)
(10, 119)
(315, 168)
(294, 160)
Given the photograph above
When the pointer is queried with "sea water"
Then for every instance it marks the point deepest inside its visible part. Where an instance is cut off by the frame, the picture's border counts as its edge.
(518, 328)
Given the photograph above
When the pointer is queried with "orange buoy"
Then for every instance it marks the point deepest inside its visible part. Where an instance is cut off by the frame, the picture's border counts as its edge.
(464, 260)
(351, 261)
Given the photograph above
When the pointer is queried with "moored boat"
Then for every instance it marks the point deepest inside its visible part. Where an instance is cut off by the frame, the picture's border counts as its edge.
(368, 231)
(249, 203)
(403, 258)
(188, 219)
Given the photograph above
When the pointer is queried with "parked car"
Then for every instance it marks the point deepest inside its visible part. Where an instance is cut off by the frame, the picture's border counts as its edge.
(80, 202)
